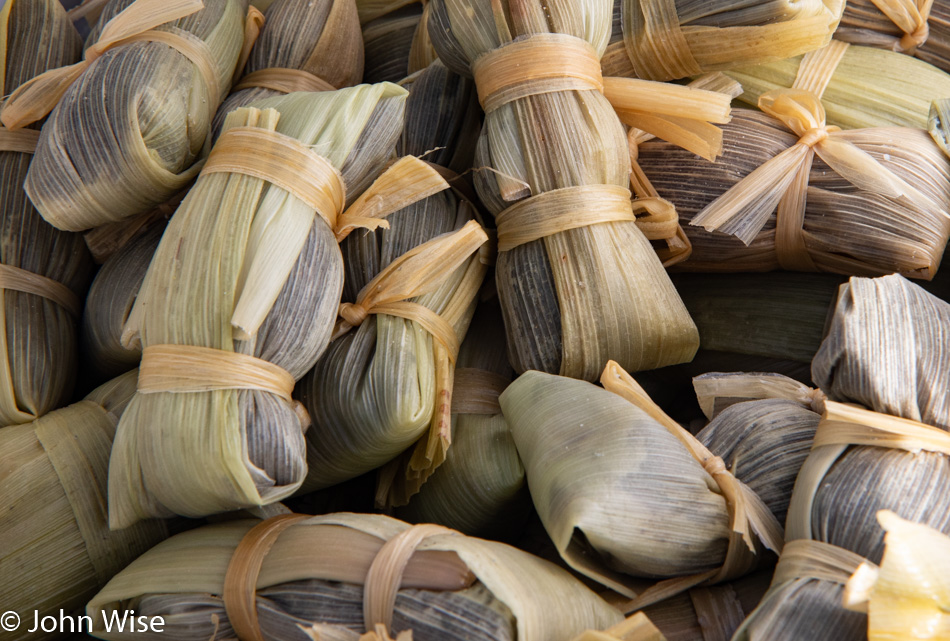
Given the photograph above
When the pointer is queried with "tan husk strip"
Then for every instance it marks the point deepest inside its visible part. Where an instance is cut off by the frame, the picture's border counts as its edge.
(542, 602)
(44, 271)
(58, 550)
(273, 295)
(128, 133)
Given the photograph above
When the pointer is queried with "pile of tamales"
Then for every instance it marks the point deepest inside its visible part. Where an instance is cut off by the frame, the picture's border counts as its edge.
(300, 297)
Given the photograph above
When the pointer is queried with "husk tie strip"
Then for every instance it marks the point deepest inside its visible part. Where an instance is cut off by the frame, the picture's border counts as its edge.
(283, 80)
(21, 280)
(136, 23)
(19, 140)
(910, 17)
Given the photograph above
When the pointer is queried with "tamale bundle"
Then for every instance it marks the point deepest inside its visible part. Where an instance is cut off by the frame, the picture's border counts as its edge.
(671, 39)
(480, 488)
(43, 271)
(578, 281)
(130, 120)
(57, 548)
(296, 577)
(624, 491)
(241, 296)
(868, 88)
(303, 46)
(866, 202)
(409, 295)
(396, 38)
(109, 303)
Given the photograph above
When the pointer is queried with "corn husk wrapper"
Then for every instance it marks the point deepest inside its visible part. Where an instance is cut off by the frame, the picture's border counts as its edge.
(600, 467)
(384, 389)
(396, 37)
(109, 303)
(846, 229)
(57, 548)
(869, 88)
(281, 311)
(577, 298)
(319, 38)
(670, 39)
(905, 598)
(38, 337)
(312, 586)
(127, 134)
(480, 490)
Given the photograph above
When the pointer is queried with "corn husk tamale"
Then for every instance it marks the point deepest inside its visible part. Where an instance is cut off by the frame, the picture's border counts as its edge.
(480, 489)
(43, 271)
(625, 492)
(108, 305)
(671, 39)
(384, 389)
(130, 121)
(334, 576)
(396, 37)
(869, 88)
(240, 334)
(303, 46)
(57, 549)
(578, 281)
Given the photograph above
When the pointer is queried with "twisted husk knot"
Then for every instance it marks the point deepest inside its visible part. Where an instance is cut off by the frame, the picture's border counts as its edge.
(353, 314)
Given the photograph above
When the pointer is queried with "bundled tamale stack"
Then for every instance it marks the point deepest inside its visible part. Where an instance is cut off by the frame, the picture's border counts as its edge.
(385, 388)
(43, 271)
(624, 491)
(578, 282)
(873, 201)
(671, 39)
(396, 38)
(130, 120)
(868, 88)
(300, 578)
(108, 305)
(303, 46)
(480, 489)
(57, 549)
(241, 296)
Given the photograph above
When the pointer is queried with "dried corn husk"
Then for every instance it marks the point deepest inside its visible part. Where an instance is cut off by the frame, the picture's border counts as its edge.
(396, 37)
(602, 464)
(594, 289)
(126, 134)
(270, 300)
(45, 271)
(670, 39)
(906, 597)
(57, 548)
(387, 385)
(869, 88)
(303, 46)
(333, 576)
(480, 489)
(109, 304)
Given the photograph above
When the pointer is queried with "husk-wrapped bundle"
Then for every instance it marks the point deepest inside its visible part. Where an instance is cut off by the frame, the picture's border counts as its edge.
(872, 202)
(868, 88)
(670, 39)
(132, 118)
(480, 489)
(241, 297)
(57, 548)
(602, 465)
(396, 38)
(43, 271)
(303, 46)
(332, 577)
(578, 281)
(410, 292)
(109, 303)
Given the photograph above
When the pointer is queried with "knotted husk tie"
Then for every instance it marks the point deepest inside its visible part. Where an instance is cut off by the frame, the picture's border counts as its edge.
(910, 16)
(782, 181)
(136, 23)
(748, 514)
